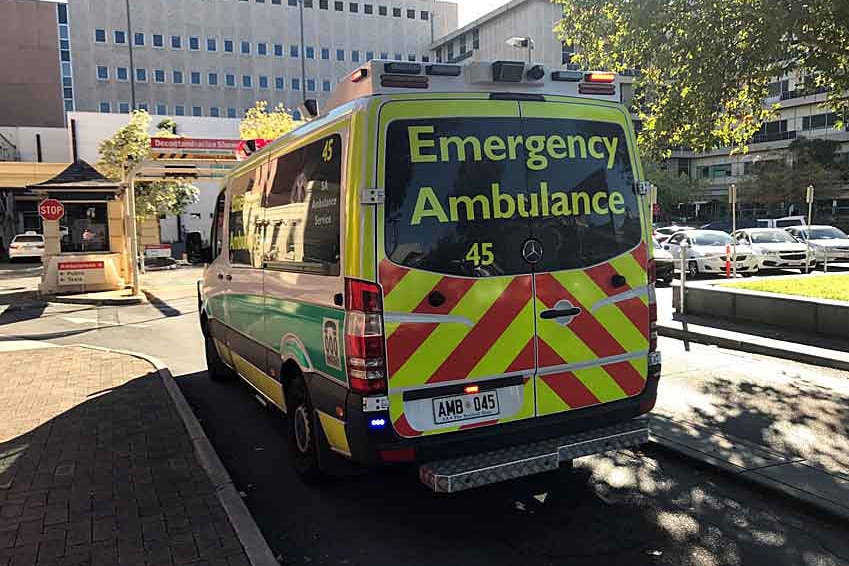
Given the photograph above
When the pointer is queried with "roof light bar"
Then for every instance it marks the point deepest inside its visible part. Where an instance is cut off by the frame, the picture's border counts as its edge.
(535, 73)
(359, 75)
(508, 71)
(599, 77)
(567, 76)
(402, 68)
(596, 88)
(403, 81)
(443, 70)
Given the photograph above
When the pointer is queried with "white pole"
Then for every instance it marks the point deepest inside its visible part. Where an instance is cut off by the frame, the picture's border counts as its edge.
(732, 198)
(683, 277)
(809, 196)
(134, 246)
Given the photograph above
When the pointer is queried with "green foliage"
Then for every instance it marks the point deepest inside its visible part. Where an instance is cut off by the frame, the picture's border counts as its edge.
(260, 123)
(705, 65)
(672, 190)
(125, 150)
(811, 162)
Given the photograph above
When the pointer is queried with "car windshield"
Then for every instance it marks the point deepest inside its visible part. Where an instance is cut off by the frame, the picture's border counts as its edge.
(657, 245)
(771, 237)
(26, 239)
(827, 233)
(710, 239)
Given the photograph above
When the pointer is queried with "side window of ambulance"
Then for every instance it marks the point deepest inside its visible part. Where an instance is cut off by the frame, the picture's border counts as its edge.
(302, 209)
(245, 237)
(217, 224)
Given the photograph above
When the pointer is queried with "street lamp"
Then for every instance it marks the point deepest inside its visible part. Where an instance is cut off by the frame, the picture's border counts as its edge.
(522, 43)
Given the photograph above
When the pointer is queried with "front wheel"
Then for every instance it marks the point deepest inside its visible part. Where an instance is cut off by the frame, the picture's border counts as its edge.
(303, 432)
(693, 269)
(215, 366)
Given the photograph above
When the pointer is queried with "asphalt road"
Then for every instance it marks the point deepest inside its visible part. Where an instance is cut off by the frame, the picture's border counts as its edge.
(631, 507)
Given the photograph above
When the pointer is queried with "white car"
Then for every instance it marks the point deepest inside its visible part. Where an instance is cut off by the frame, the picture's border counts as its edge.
(29, 245)
(707, 252)
(776, 248)
(824, 240)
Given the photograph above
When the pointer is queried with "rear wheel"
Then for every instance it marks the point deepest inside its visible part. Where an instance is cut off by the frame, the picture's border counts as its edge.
(303, 432)
(693, 269)
(215, 366)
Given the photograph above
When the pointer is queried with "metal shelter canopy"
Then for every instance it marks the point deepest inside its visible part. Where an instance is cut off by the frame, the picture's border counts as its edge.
(187, 159)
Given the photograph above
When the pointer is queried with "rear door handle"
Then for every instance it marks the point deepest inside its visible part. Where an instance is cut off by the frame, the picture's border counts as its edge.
(228, 277)
(557, 313)
(221, 276)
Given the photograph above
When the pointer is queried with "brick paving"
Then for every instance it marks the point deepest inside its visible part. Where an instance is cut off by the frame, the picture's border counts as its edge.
(96, 467)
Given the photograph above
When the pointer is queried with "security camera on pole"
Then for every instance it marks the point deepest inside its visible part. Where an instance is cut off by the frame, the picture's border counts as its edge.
(732, 200)
(809, 198)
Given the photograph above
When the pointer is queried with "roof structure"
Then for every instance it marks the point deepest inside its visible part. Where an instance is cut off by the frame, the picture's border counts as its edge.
(79, 175)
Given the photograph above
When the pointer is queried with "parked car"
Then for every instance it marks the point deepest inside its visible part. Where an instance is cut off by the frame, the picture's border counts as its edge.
(725, 225)
(782, 222)
(662, 234)
(823, 240)
(29, 245)
(706, 250)
(776, 248)
(664, 264)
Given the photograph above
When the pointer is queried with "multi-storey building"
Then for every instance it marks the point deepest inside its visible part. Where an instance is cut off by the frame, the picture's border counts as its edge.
(217, 57)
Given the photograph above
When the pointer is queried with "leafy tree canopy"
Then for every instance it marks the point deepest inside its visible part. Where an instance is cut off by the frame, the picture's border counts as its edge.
(126, 149)
(261, 123)
(672, 189)
(705, 65)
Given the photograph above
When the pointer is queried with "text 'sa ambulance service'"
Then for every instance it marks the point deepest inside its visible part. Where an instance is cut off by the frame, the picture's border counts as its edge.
(450, 266)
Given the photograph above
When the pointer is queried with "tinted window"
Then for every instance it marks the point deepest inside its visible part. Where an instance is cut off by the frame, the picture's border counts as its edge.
(829, 233)
(711, 239)
(771, 237)
(245, 228)
(302, 209)
(29, 239)
(217, 224)
(463, 194)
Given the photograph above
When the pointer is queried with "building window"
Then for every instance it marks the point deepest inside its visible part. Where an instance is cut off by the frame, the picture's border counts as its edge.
(138, 39)
(381, 10)
(229, 80)
(120, 37)
(100, 35)
(307, 3)
(212, 79)
(296, 115)
(278, 50)
(384, 55)
(124, 107)
(279, 83)
(309, 52)
(293, 2)
(411, 14)
(194, 43)
(353, 7)
(424, 15)
(450, 51)
(196, 111)
(311, 85)
(439, 55)
(176, 42)
(462, 44)
(161, 109)
(158, 40)
(819, 121)
(338, 6)
(355, 56)
(325, 53)
(325, 86)
(293, 51)
(121, 73)
(425, 59)
(177, 77)
(340, 54)
(246, 47)
(263, 81)
(228, 46)
(396, 12)
(369, 55)
(411, 57)
(247, 81)
(322, 4)
(195, 77)
(262, 48)
(211, 44)
(368, 8)
(567, 52)
(103, 72)
(180, 110)
(231, 112)
(476, 38)
(159, 75)
(214, 111)
(398, 57)
(141, 75)
(105, 107)
(296, 84)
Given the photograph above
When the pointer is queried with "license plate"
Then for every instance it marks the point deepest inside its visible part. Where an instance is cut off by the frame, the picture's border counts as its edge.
(464, 407)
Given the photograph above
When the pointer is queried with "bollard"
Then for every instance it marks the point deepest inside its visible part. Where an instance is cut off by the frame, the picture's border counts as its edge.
(727, 261)
(683, 278)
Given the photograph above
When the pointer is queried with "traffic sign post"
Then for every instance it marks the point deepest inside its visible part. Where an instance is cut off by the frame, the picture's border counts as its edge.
(732, 200)
(809, 198)
(51, 209)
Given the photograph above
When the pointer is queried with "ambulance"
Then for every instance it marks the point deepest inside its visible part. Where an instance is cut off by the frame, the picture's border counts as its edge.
(451, 266)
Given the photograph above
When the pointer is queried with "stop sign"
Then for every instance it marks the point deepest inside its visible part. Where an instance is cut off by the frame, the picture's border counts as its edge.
(51, 209)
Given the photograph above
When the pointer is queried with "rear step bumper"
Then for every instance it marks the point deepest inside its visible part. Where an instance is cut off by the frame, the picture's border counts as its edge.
(475, 470)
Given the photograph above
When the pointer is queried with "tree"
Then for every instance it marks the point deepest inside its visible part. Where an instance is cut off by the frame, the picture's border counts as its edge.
(783, 181)
(260, 123)
(672, 190)
(126, 149)
(705, 65)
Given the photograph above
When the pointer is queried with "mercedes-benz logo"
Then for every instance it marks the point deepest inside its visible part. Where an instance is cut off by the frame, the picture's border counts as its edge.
(532, 251)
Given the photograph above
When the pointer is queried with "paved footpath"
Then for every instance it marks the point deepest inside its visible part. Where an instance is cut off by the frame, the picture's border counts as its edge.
(96, 467)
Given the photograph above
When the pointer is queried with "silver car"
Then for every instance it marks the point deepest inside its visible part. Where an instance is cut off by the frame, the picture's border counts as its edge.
(708, 252)
(824, 240)
(775, 248)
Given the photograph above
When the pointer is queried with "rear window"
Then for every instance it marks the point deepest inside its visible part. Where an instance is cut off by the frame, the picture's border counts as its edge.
(464, 194)
(28, 239)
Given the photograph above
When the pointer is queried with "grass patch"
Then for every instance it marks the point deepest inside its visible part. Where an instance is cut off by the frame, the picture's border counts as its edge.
(834, 287)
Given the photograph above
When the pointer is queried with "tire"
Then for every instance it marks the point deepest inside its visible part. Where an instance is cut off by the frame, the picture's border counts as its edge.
(303, 432)
(215, 366)
(693, 269)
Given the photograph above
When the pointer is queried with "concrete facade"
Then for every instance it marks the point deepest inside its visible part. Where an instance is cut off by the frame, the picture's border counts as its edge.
(30, 80)
(217, 57)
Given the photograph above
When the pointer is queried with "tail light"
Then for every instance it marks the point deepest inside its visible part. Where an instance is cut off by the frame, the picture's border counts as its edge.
(14, 246)
(365, 349)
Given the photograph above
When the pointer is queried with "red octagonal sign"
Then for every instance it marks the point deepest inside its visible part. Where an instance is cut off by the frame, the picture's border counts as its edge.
(51, 209)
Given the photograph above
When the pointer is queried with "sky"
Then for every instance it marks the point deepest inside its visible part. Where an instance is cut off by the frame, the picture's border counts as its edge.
(472, 9)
